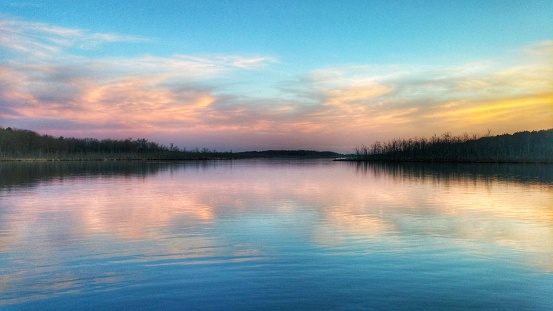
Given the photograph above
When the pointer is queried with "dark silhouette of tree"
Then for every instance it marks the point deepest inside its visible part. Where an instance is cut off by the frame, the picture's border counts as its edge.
(25, 144)
(535, 146)
(16, 144)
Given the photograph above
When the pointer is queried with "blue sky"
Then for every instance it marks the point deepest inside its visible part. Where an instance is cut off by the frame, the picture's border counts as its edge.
(276, 74)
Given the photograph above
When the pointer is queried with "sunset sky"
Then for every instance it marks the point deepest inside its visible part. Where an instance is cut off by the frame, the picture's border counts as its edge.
(255, 75)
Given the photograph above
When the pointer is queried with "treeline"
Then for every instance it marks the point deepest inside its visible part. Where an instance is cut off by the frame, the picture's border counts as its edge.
(24, 144)
(535, 146)
(19, 144)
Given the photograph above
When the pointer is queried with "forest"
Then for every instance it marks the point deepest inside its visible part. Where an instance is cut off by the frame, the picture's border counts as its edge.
(535, 146)
(20, 144)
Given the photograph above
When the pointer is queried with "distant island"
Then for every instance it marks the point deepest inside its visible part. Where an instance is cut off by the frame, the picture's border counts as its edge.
(520, 147)
(26, 145)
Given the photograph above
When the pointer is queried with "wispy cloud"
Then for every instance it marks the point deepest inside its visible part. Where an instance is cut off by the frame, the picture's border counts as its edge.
(422, 100)
(41, 39)
(43, 78)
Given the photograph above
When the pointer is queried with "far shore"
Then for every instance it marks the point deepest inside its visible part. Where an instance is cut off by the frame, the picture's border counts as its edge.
(444, 161)
(269, 154)
(136, 159)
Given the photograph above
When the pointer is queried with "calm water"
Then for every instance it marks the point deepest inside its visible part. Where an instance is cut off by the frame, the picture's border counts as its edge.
(259, 235)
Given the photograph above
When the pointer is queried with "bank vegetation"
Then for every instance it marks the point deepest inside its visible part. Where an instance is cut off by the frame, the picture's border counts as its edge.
(535, 146)
(26, 145)
(20, 144)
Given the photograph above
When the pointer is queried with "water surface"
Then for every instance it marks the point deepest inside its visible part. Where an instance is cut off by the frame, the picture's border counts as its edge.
(275, 234)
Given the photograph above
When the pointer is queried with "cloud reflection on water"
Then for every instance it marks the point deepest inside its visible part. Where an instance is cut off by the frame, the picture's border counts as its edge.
(197, 211)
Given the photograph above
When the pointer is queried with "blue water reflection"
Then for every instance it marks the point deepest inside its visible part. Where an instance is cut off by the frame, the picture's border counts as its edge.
(282, 234)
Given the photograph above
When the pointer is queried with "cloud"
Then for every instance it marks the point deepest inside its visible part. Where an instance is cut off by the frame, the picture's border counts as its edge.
(427, 99)
(42, 40)
(542, 49)
(139, 92)
(191, 97)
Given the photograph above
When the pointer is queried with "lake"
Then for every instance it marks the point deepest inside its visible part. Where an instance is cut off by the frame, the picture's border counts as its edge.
(275, 235)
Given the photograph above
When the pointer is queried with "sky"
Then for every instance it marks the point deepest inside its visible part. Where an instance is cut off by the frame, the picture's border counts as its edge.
(257, 75)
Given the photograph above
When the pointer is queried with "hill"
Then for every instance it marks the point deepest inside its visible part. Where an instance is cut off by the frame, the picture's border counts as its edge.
(304, 154)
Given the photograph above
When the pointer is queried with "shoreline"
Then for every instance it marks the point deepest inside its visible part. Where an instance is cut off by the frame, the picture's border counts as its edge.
(113, 160)
(448, 161)
(42, 160)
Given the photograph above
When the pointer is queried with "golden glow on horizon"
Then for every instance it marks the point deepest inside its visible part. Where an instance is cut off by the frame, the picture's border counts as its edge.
(529, 111)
